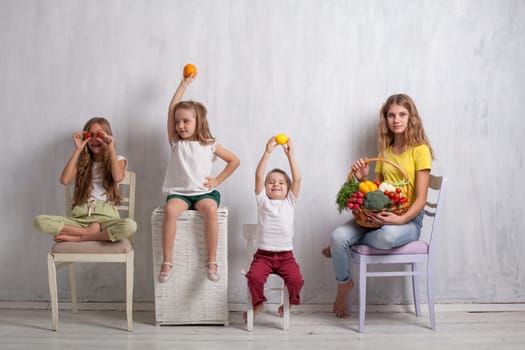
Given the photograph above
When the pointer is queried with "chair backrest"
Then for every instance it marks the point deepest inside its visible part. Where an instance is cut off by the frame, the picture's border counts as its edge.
(434, 205)
(127, 191)
(249, 232)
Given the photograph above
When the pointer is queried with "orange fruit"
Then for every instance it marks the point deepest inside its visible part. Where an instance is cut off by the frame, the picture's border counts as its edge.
(281, 139)
(190, 69)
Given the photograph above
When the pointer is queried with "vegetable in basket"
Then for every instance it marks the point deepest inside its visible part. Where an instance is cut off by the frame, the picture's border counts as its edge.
(367, 186)
(387, 187)
(346, 191)
(376, 200)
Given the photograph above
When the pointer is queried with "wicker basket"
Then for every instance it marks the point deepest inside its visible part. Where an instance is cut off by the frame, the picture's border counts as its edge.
(188, 297)
(361, 213)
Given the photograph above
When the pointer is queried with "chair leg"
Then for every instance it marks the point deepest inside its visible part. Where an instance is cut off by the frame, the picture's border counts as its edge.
(416, 269)
(73, 285)
(129, 289)
(350, 298)
(52, 277)
(362, 295)
(285, 298)
(249, 312)
(352, 291)
(430, 294)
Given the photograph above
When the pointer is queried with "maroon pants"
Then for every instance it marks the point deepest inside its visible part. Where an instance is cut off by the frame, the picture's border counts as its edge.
(280, 263)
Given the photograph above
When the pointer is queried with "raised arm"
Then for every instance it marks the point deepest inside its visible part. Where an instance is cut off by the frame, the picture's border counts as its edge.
(177, 97)
(296, 174)
(70, 170)
(118, 167)
(261, 167)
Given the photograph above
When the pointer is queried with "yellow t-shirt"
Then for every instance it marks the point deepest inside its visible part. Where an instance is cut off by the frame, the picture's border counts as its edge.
(415, 158)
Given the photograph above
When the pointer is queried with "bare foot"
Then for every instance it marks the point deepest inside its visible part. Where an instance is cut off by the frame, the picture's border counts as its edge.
(93, 236)
(256, 310)
(341, 300)
(326, 252)
(66, 238)
(281, 310)
(93, 228)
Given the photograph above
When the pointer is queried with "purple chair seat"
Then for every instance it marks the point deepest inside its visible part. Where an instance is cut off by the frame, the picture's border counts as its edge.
(417, 247)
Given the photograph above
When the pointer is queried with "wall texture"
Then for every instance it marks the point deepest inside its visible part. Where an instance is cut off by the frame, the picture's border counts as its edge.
(316, 70)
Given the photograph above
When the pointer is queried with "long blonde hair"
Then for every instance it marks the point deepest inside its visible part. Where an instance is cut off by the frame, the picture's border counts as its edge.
(83, 181)
(202, 130)
(414, 133)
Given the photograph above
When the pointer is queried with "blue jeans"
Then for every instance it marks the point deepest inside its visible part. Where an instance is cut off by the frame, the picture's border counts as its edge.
(385, 237)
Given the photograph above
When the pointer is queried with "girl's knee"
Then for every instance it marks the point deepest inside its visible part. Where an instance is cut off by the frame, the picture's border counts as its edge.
(46, 224)
(130, 226)
(124, 229)
(339, 237)
(37, 223)
(173, 209)
(393, 237)
(208, 211)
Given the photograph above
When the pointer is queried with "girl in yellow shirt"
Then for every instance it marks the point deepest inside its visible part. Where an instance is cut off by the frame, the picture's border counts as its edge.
(402, 140)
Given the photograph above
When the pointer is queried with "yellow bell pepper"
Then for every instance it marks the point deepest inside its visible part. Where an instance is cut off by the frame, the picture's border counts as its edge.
(367, 186)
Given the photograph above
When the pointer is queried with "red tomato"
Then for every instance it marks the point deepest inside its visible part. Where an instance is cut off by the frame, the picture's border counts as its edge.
(398, 190)
(87, 135)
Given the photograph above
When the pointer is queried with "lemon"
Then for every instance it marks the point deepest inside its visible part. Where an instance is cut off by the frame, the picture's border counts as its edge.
(281, 139)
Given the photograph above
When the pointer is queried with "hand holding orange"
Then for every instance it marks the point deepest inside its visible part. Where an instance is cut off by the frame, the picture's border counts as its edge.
(281, 139)
(190, 69)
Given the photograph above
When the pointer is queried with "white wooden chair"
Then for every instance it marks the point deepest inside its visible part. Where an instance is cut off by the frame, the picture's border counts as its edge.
(415, 254)
(67, 253)
(249, 232)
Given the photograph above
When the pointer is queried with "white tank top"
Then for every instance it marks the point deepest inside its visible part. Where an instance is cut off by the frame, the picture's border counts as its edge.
(189, 163)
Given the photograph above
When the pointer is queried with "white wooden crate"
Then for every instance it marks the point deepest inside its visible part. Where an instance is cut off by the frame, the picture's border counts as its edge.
(189, 297)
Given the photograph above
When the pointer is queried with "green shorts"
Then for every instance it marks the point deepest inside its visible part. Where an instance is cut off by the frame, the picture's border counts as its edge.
(192, 200)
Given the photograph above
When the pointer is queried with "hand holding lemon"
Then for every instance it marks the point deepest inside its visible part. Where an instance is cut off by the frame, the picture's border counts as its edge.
(281, 139)
(190, 70)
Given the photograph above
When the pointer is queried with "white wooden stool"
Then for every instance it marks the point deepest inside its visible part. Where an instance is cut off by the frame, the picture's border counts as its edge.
(189, 297)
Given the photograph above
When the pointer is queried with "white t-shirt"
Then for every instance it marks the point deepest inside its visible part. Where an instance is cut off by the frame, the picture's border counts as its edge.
(189, 163)
(97, 175)
(275, 222)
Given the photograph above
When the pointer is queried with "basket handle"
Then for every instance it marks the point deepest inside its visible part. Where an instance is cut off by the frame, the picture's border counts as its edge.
(395, 165)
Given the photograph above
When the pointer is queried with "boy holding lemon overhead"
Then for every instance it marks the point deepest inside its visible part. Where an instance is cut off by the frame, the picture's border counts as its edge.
(276, 195)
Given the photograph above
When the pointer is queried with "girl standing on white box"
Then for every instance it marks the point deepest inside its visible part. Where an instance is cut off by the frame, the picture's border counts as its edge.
(276, 196)
(188, 183)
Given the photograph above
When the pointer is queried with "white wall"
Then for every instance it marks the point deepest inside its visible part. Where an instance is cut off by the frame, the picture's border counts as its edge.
(317, 70)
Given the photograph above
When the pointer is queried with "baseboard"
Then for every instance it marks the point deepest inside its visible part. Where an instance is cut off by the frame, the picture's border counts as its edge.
(108, 306)
(150, 306)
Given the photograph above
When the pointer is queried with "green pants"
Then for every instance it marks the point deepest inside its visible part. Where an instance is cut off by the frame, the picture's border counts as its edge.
(103, 213)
